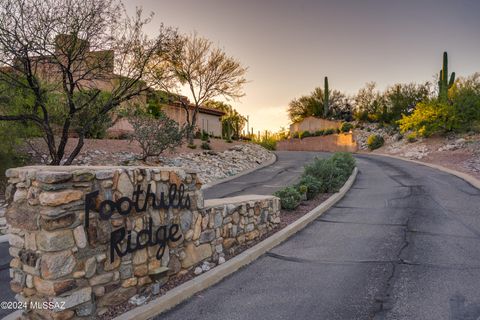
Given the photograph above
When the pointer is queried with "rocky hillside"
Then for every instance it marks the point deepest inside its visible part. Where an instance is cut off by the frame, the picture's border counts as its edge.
(213, 165)
(459, 152)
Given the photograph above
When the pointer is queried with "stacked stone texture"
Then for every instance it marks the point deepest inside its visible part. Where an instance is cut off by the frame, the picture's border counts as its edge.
(56, 258)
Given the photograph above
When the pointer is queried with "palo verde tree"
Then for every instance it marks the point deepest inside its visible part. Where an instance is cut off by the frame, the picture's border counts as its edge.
(206, 72)
(65, 64)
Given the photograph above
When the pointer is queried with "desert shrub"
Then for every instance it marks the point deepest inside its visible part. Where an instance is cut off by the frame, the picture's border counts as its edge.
(429, 117)
(345, 162)
(306, 134)
(314, 185)
(205, 146)
(296, 135)
(289, 197)
(155, 135)
(375, 141)
(411, 137)
(346, 127)
(328, 173)
(319, 133)
(204, 136)
(192, 146)
(98, 129)
(12, 136)
(465, 98)
(329, 131)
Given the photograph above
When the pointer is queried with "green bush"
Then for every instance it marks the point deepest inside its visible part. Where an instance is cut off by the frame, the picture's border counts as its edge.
(319, 133)
(296, 135)
(375, 141)
(306, 134)
(430, 117)
(192, 146)
(323, 175)
(204, 136)
(346, 127)
(289, 197)
(314, 185)
(412, 137)
(329, 131)
(345, 162)
(332, 172)
(205, 146)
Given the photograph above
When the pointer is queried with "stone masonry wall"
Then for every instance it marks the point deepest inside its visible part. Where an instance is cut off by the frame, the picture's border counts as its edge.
(82, 263)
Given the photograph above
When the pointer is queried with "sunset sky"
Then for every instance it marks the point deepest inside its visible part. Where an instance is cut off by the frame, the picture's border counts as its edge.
(289, 46)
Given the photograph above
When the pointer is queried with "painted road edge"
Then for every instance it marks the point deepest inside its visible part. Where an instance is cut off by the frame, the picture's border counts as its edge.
(267, 163)
(464, 176)
(205, 280)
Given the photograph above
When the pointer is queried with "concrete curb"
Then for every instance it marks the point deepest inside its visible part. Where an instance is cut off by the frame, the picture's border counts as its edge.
(272, 160)
(464, 176)
(202, 282)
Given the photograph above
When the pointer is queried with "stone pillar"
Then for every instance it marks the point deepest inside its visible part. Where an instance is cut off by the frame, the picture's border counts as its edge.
(60, 257)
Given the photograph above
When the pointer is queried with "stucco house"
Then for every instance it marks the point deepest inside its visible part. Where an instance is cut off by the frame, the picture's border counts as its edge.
(208, 119)
(104, 77)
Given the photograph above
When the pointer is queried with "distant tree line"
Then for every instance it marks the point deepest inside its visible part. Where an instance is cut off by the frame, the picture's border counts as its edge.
(453, 104)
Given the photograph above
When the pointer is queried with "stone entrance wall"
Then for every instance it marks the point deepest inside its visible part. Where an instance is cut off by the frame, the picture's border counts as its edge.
(56, 257)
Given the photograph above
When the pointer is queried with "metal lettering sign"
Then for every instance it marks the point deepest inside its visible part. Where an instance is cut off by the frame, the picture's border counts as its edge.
(147, 237)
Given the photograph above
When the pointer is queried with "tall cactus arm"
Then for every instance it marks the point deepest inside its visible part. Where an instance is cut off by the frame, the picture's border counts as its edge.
(452, 80)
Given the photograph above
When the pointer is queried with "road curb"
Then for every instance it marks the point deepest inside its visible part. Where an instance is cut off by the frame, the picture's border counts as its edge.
(202, 282)
(464, 176)
(272, 160)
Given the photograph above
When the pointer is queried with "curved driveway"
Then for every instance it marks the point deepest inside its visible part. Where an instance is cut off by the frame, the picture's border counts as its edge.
(404, 243)
(285, 171)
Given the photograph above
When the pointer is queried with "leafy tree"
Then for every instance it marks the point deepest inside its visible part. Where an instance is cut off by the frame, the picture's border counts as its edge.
(61, 54)
(314, 105)
(458, 112)
(369, 103)
(400, 99)
(232, 122)
(465, 98)
(206, 71)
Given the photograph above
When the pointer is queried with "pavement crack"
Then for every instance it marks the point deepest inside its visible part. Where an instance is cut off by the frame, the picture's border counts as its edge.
(384, 298)
(327, 262)
(361, 223)
(286, 258)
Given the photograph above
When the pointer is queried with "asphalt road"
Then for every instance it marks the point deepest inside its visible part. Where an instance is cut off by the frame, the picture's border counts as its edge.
(285, 171)
(5, 293)
(404, 243)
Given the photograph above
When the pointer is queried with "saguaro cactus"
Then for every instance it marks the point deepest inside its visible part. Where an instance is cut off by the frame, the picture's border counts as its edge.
(444, 83)
(326, 98)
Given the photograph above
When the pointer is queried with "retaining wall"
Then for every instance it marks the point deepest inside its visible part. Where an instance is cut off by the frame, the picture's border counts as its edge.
(86, 238)
(331, 143)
